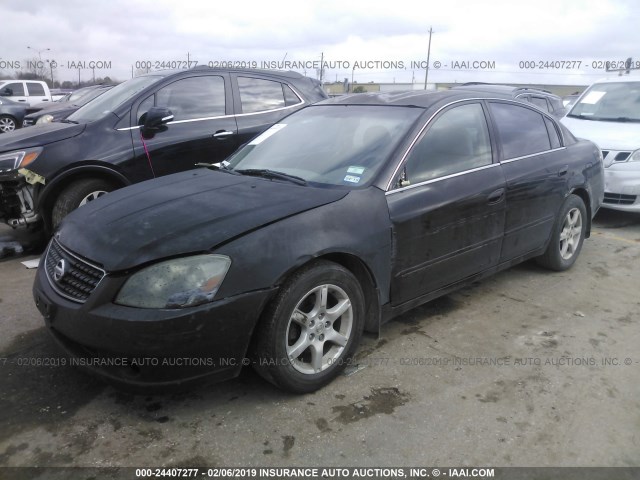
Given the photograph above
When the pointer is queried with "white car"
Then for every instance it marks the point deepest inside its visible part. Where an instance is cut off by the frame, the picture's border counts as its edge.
(608, 113)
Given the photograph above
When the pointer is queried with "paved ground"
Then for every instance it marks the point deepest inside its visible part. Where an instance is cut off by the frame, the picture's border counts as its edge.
(556, 391)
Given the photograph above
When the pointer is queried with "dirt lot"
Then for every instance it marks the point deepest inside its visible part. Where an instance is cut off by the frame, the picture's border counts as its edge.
(527, 368)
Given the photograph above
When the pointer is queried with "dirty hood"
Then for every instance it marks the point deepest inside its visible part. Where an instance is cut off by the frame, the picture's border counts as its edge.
(38, 136)
(179, 214)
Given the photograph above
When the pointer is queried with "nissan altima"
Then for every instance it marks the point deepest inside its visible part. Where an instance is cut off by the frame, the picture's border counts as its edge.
(330, 223)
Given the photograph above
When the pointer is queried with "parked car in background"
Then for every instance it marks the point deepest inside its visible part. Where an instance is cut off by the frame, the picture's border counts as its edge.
(543, 99)
(569, 100)
(333, 221)
(28, 92)
(11, 115)
(149, 126)
(56, 111)
(608, 113)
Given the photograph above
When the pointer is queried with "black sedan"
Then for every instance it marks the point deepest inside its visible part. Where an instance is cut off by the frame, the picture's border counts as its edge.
(11, 115)
(333, 221)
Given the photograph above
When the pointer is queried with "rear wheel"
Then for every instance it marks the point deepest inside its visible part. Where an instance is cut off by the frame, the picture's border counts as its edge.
(7, 123)
(76, 195)
(567, 236)
(311, 329)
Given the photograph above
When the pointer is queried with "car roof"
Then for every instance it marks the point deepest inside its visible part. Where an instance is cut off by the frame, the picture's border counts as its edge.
(506, 89)
(618, 79)
(280, 73)
(412, 98)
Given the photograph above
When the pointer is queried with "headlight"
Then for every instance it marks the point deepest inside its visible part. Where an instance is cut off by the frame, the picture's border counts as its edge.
(635, 156)
(178, 283)
(44, 119)
(19, 159)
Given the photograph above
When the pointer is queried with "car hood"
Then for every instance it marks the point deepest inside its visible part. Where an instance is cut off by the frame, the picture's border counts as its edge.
(607, 135)
(38, 136)
(178, 214)
(54, 109)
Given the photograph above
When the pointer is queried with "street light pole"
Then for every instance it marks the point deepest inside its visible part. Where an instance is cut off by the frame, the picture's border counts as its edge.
(39, 52)
(426, 72)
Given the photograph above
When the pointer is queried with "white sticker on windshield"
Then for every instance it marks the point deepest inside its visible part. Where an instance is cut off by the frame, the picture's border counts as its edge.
(352, 179)
(356, 170)
(267, 133)
(593, 97)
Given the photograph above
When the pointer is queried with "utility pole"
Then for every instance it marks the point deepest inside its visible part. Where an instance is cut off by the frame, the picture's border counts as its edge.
(321, 64)
(426, 72)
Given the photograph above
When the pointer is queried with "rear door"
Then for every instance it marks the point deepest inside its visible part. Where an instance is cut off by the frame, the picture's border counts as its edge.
(36, 93)
(536, 170)
(203, 129)
(446, 205)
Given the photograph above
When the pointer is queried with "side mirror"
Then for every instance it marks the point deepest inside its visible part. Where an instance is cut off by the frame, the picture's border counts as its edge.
(156, 120)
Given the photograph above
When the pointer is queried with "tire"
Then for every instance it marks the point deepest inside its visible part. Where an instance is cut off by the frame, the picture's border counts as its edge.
(567, 236)
(77, 194)
(7, 124)
(302, 343)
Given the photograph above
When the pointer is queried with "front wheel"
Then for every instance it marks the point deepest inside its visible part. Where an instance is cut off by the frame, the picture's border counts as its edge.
(76, 195)
(567, 236)
(310, 331)
(7, 123)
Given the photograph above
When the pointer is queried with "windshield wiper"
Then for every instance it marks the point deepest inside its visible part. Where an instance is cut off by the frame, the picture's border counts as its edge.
(623, 119)
(583, 117)
(66, 120)
(217, 166)
(266, 173)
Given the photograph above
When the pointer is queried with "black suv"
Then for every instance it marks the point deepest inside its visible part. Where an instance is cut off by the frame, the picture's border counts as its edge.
(151, 125)
(542, 99)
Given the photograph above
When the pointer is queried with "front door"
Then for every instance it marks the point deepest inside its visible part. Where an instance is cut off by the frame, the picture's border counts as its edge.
(447, 207)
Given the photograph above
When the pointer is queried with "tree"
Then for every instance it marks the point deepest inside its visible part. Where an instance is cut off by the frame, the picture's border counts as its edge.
(359, 89)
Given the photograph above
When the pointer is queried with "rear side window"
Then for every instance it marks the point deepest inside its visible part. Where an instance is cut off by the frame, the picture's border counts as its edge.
(258, 95)
(553, 133)
(191, 98)
(35, 89)
(15, 89)
(522, 130)
(540, 103)
(457, 141)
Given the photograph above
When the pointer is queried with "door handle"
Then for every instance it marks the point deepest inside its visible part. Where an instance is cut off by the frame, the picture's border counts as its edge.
(222, 134)
(496, 196)
(563, 170)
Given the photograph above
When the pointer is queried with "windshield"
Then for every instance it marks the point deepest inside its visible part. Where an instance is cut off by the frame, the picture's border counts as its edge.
(329, 144)
(112, 99)
(619, 101)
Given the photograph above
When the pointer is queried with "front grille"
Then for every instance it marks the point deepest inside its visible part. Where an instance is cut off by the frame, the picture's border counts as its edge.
(69, 275)
(619, 199)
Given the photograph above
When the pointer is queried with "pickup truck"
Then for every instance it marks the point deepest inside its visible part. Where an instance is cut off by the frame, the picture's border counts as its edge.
(28, 92)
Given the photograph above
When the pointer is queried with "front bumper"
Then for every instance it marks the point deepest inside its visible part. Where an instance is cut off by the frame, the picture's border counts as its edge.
(622, 187)
(17, 201)
(151, 348)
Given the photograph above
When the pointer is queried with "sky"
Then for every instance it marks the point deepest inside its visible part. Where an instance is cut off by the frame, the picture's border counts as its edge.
(544, 42)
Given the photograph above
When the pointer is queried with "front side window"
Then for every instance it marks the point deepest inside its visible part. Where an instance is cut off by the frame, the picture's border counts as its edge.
(258, 95)
(14, 89)
(522, 130)
(111, 100)
(194, 97)
(458, 140)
